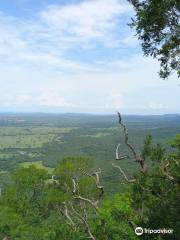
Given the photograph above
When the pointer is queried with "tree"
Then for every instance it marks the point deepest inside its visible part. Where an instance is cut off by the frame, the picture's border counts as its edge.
(154, 190)
(116, 219)
(67, 205)
(36, 206)
(156, 193)
(157, 24)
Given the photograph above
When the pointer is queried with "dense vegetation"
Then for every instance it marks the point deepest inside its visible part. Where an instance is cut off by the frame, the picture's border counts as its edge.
(48, 138)
(157, 24)
(73, 199)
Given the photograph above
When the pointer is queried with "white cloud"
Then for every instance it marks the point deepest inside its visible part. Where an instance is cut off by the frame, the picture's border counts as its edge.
(15, 100)
(43, 40)
(37, 68)
(58, 28)
(87, 20)
(53, 99)
(130, 40)
(133, 86)
(157, 106)
(116, 102)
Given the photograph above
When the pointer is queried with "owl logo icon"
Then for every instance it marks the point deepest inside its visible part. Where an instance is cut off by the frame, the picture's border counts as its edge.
(139, 231)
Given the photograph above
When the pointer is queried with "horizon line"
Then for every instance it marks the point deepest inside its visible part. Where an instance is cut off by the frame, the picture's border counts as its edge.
(86, 113)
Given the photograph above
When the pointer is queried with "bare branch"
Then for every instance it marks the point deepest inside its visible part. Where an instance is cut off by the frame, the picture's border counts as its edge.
(66, 214)
(74, 186)
(145, 189)
(165, 171)
(117, 154)
(94, 204)
(136, 156)
(83, 217)
(96, 178)
(83, 220)
(78, 215)
(95, 175)
(123, 173)
(87, 225)
(77, 196)
(53, 179)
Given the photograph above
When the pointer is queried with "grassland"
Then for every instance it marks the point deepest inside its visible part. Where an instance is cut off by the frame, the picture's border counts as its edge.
(46, 139)
(35, 137)
(38, 165)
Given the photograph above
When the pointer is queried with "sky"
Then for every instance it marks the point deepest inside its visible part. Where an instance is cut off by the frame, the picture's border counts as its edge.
(78, 56)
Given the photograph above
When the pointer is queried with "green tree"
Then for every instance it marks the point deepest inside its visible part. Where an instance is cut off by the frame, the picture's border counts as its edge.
(67, 206)
(155, 193)
(157, 24)
(34, 206)
(116, 220)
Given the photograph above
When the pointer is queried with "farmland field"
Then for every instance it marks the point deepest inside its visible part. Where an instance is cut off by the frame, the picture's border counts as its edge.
(48, 138)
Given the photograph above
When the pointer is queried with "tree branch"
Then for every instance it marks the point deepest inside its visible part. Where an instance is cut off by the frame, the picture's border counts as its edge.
(69, 221)
(117, 154)
(93, 204)
(123, 173)
(136, 156)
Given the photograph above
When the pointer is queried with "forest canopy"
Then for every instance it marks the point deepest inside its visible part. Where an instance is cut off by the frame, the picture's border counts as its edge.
(71, 202)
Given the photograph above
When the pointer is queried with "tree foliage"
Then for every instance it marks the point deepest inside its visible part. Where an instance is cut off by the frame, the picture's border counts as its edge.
(156, 194)
(72, 203)
(36, 206)
(157, 25)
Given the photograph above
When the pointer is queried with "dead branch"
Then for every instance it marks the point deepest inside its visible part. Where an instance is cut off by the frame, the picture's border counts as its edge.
(87, 225)
(123, 173)
(136, 156)
(74, 186)
(82, 217)
(83, 220)
(165, 172)
(132, 223)
(6, 238)
(78, 215)
(78, 196)
(69, 221)
(96, 178)
(145, 189)
(117, 154)
(93, 204)
(53, 179)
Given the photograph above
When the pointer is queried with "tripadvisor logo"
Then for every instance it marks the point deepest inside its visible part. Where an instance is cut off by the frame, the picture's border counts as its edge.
(139, 231)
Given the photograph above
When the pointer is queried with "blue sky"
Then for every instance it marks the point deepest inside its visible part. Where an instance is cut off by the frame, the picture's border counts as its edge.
(77, 56)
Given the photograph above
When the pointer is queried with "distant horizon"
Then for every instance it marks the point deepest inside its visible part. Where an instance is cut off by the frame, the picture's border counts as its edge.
(89, 113)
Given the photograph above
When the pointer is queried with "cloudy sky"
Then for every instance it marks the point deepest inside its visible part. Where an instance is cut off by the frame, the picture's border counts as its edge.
(77, 56)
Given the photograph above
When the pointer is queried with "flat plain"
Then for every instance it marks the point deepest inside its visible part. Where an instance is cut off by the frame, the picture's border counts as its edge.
(45, 139)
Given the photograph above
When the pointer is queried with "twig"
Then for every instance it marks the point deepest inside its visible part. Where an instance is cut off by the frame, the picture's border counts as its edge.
(165, 171)
(123, 173)
(94, 204)
(117, 154)
(83, 220)
(95, 176)
(66, 214)
(87, 226)
(74, 186)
